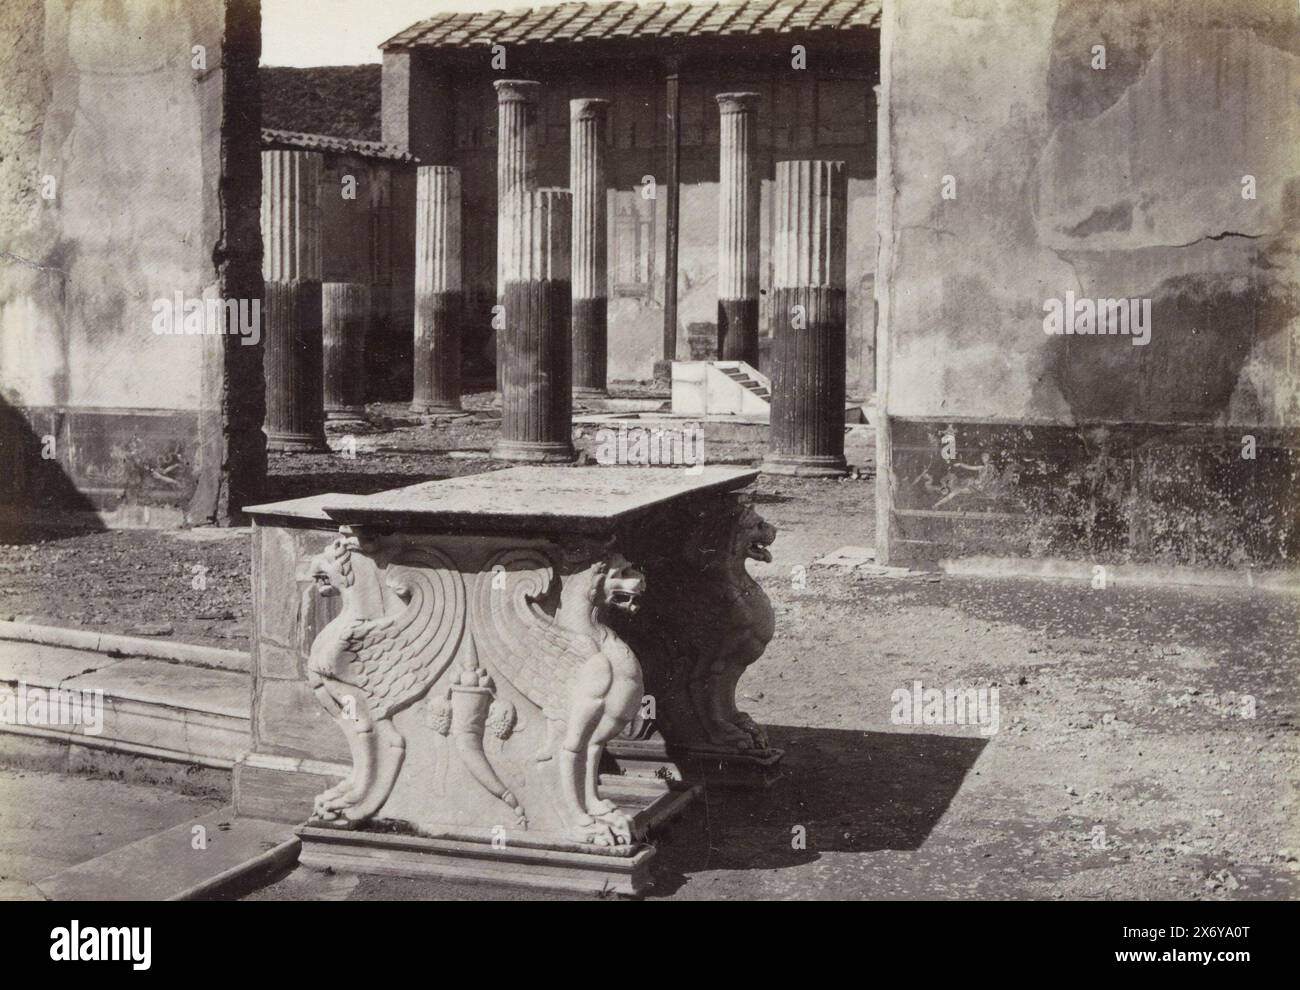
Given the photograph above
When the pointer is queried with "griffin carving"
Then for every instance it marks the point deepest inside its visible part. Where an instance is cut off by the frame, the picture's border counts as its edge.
(722, 620)
(549, 640)
(399, 628)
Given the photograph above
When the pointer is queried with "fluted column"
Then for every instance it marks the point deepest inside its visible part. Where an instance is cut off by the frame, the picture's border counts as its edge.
(808, 319)
(292, 272)
(536, 370)
(345, 318)
(738, 219)
(517, 114)
(438, 290)
(380, 353)
(588, 120)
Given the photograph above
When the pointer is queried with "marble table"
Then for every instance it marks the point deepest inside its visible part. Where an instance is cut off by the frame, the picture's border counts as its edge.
(442, 672)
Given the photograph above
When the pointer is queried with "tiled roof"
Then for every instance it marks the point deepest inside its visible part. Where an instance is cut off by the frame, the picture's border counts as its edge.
(579, 22)
(324, 142)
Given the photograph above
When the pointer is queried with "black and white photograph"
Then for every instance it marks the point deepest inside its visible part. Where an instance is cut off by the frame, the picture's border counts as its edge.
(608, 450)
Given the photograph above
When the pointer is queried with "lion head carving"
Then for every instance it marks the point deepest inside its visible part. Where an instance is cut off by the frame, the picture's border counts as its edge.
(751, 534)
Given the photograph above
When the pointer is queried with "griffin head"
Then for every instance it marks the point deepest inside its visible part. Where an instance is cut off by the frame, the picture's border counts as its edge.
(605, 577)
(622, 584)
(331, 569)
(751, 535)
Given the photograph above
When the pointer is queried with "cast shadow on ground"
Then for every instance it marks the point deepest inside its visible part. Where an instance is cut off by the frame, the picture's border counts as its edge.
(39, 501)
(850, 791)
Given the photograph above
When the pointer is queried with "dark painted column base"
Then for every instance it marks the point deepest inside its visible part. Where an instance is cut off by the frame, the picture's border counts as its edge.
(294, 367)
(590, 346)
(536, 374)
(806, 437)
(738, 330)
(345, 312)
(437, 353)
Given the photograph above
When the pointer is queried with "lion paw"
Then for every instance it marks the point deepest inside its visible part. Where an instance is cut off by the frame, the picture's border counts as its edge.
(751, 728)
(622, 825)
(594, 832)
(730, 736)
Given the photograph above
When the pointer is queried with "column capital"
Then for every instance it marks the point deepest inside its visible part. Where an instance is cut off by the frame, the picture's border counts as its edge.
(517, 90)
(737, 102)
(588, 108)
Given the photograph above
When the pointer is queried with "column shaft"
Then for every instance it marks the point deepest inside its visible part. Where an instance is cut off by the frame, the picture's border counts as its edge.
(345, 317)
(587, 136)
(379, 351)
(291, 270)
(738, 228)
(808, 319)
(438, 291)
(517, 114)
(536, 371)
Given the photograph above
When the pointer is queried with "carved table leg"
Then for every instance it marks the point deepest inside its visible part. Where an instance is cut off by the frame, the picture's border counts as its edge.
(706, 620)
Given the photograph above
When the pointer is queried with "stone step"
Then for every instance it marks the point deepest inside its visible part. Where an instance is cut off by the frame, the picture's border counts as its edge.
(212, 856)
(150, 708)
(745, 382)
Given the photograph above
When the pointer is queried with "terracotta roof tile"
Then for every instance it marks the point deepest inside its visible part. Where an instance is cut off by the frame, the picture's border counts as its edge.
(695, 14)
(586, 20)
(339, 145)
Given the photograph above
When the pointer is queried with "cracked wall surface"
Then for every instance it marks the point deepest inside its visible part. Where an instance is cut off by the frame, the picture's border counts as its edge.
(118, 161)
(1118, 182)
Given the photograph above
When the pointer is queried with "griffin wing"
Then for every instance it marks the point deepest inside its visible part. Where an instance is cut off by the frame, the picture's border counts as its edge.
(525, 645)
(395, 659)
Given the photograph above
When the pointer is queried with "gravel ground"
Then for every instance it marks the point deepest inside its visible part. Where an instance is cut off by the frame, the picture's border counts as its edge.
(1147, 743)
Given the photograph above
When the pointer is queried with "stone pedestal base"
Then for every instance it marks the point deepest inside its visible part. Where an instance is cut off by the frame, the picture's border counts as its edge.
(300, 442)
(711, 766)
(430, 407)
(804, 467)
(536, 860)
(345, 415)
(533, 452)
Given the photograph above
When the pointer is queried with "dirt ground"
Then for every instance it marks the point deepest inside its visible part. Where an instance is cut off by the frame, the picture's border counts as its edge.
(1147, 744)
